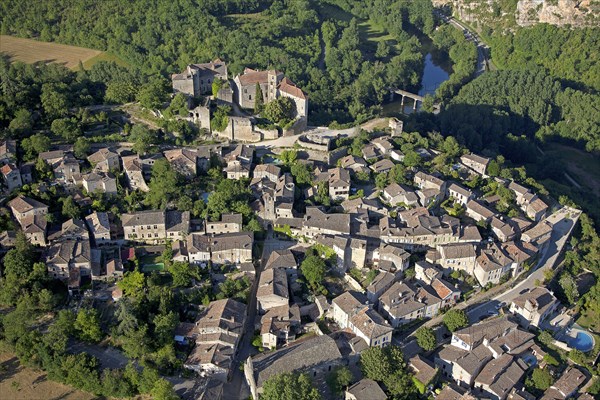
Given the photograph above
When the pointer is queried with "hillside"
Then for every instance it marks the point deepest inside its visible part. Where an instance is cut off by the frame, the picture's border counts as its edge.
(513, 13)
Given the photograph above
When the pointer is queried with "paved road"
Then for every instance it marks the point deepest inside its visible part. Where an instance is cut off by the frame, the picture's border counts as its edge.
(289, 141)
(237, 388)
(483, 64)
(563, 221)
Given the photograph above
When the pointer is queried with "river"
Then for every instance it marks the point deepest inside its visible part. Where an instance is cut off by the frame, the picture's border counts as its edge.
(437, 69)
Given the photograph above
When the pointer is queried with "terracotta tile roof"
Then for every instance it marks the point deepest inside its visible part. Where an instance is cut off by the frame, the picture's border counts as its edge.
(290, 88)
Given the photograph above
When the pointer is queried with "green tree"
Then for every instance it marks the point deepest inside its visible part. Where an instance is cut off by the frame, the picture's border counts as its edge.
(288, 157)
(289, 386)
(35, 144)
(66, 128)
(383, 49)
(301, 173)
(411, 158)
(153, 94)
(381, 180)
(426, 338)
(258, 99)
(220, 118)
(280, 111)
(164, 326)
(163, 390)
(313, 269)
(216, 86)
(569, 288)
(546, 338)
(164, 185)
(540, 379)
(387, 365)
(81, 148)
(178, 106)
(54, 100)
(375, 364)
(455, 319)
(22, 122)
(182, 274)
(339, 379)
(70, 209)
(87, 325)
(133, 284)
(120, 92)
(143, 139)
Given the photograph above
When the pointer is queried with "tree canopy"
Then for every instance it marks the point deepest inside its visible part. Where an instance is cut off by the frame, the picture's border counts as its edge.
(289, 386)
(455, 319)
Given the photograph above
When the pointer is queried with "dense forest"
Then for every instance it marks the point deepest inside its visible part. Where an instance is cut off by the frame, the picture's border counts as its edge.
(569, 54)
(527, 102)
(317, 44)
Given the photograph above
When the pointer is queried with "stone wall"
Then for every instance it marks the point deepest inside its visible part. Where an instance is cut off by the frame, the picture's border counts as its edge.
(201, 116)
(297, 128)
(336, 154)
(240, 129)
(225, 95)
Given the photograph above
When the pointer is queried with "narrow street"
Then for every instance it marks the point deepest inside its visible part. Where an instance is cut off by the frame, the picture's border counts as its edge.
(237, 388)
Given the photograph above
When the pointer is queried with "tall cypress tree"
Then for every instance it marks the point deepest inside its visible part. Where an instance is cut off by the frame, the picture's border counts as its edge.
(258, 99)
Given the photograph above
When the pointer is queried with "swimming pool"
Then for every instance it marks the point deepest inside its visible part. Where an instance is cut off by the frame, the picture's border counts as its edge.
(583, 341)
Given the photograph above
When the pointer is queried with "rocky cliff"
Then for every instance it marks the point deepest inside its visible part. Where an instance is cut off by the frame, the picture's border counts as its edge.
(506, 14)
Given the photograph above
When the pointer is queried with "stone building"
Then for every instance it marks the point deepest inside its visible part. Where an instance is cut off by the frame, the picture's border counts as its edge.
(197, 79)
(273, 85)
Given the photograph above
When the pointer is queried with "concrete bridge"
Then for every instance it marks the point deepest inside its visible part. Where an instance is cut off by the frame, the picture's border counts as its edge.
(415, 97)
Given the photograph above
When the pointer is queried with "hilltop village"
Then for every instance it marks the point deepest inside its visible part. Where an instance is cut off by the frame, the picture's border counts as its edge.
(306, 251)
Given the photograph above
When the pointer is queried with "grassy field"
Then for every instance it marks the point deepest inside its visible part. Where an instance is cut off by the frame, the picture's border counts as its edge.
(30, 51)
(20, 383)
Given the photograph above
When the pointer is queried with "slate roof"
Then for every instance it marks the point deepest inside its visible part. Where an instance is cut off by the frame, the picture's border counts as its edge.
(539, 298)
(382, 280)
(273, 282)
(228, 241)
(382, 165)
(226, 314)
(349, 301)
(281, 259)
(149, 217)
(491, 329)
(101, 155)
(502, 374)
(367, 389)
(296, 357)
(370, 323)
(480, 209)
(316, 218)
(475, 158)
(457, 250)
(569, 381)
(24, 204)
(425, 372)
(460, 189)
